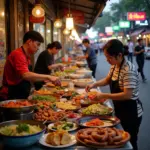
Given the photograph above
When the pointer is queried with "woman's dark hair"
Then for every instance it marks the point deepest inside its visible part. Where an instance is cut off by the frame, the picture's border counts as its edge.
(33, 35)
(54, 44)
(86, 41)
(114, 47)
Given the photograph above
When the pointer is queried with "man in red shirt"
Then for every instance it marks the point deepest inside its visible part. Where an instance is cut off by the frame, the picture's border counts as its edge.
(18, 73)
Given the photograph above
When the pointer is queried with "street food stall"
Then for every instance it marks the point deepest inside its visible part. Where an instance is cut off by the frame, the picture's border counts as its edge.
(62, 116)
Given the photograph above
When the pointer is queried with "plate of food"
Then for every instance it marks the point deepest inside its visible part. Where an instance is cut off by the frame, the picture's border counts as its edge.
(71, 116)
(48, 115)
(103, 137)
(86, 99)
(62, 125)
(82, 82)
(67, 106)
(95, 121)
(96, 110)
(76, 76)
(85, 72)
(58, 139)
(43, 91)
(21, 133)
(63, 84)
(49, 98)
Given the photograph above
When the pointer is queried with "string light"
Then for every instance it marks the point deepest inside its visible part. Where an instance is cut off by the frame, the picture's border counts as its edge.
(38, 11)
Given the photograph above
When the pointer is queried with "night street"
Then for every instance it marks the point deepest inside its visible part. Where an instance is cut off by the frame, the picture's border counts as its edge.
(102, 70)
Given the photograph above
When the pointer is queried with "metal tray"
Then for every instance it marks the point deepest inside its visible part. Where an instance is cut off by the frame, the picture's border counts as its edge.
(24, 109)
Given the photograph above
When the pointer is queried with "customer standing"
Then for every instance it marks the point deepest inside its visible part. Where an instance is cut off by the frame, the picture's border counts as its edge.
(139, 52)
(130, 49)
(90, 56)
(123, 79)
(45, 62)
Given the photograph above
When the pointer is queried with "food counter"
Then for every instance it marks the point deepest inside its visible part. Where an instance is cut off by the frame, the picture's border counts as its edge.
(76, 146)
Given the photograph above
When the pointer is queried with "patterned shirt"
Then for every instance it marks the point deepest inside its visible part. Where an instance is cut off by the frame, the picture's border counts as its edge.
(128, 78)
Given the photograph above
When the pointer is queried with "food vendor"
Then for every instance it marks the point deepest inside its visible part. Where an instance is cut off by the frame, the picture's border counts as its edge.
(45, 61)
(90, 56)
(18, 73)
(123, 79)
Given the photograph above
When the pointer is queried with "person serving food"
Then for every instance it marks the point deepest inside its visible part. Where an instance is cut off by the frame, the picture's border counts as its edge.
(123, 79)
(45, 62)
(18, 73)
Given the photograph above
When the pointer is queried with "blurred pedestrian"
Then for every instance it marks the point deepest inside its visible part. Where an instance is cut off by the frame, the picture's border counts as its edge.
(130, 49)
(139, 52)
(90, 56)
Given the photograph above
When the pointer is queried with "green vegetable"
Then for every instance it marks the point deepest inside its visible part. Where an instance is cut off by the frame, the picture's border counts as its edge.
(44, 97)
(96, 109)
(22, 127)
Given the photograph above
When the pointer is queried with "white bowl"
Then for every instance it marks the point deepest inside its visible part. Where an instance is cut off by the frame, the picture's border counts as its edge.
(81, 63)
(76, 76)
(87, 73)
(82, 82)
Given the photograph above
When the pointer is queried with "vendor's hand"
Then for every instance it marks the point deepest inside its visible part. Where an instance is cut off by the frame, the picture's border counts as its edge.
(98, 97)
(54, 80)
(89, 87)
(61, 67)
(79, 58)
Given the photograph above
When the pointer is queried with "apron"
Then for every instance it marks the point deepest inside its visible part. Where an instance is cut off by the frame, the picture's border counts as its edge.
(21, 90)
(125, 110)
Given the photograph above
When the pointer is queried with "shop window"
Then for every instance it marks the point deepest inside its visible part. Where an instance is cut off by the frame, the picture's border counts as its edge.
(21, 22)
(2, 39)
(41, 29)
(48, 32)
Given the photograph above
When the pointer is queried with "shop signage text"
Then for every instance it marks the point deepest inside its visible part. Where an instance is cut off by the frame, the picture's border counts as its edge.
(116, 28)
(135, 16)
(124, 24)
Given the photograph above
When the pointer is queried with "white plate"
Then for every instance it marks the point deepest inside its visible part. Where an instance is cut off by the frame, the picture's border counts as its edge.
(52, 124)
(43, 139)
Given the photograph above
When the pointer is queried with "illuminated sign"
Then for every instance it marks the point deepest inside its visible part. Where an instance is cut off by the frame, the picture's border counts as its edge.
(124, 24)
(116, 28)
(142, 23)
(101, 34)
(136, 16)
(108, 29)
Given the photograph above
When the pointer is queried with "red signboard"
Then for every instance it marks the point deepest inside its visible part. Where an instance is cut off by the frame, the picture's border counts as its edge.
(77, 15)
(101, 34)
(37, 20)
(135, 16)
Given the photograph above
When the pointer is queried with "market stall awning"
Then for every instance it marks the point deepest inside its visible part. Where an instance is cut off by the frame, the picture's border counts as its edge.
(146, 32)
(88, 11)
(137, 32)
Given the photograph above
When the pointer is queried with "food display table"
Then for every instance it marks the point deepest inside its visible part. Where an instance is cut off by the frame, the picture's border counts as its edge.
(77, 146)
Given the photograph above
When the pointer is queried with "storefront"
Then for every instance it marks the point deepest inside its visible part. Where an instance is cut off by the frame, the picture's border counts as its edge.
(2, 38)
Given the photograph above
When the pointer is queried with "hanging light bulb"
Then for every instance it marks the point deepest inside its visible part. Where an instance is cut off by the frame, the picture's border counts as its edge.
(58, 23)
(38, 11)
(69, 22)
(3, 14)
(66, 31)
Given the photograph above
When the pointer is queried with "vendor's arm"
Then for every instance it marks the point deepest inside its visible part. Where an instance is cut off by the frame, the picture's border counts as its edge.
(21, 66)
(55, 66)
(83, 57)
(130, 81)
(103, 82)
(125, 95)
(34, 77)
